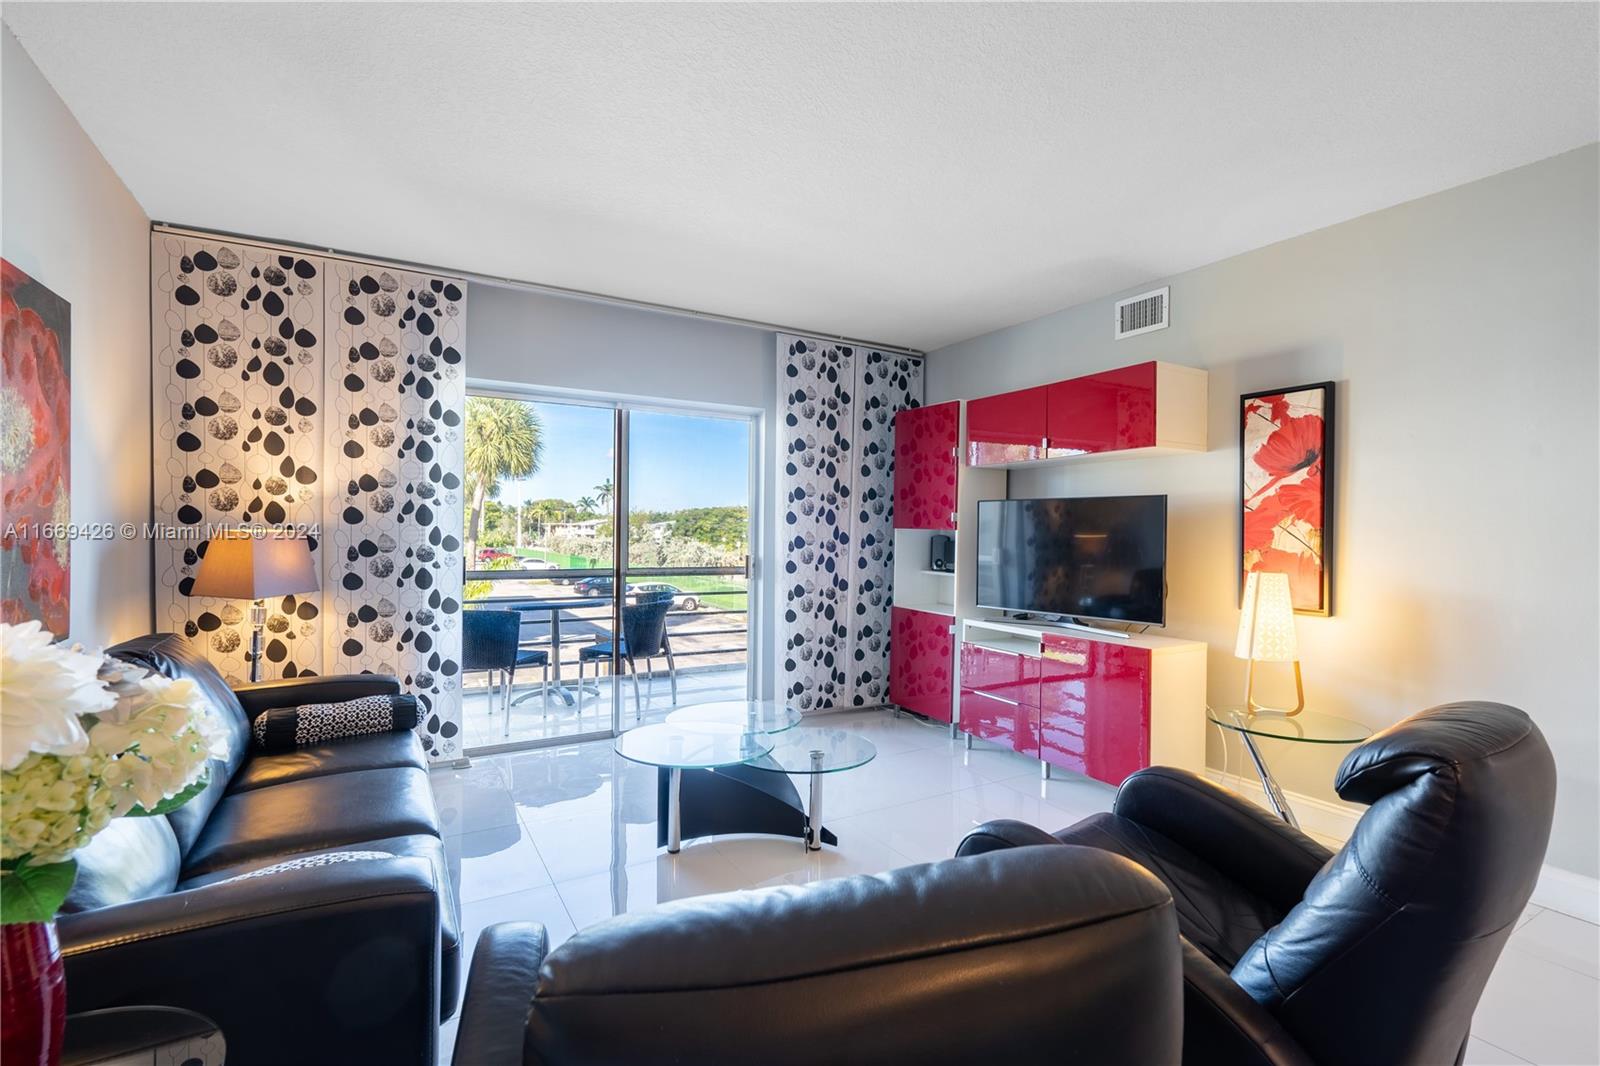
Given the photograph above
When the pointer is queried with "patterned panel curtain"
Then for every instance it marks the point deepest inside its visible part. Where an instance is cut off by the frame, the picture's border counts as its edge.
(838, 404)
(396, 395)
(237, 348)
(329, 395)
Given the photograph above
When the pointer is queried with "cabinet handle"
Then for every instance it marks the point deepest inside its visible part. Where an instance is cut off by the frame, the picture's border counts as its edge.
(992, 696)
(1044, 444)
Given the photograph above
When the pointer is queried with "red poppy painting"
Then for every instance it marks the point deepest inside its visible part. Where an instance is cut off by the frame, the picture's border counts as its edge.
(35, 451)
(1286, 443)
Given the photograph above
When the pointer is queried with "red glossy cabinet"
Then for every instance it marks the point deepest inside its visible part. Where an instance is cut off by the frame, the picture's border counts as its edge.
(921, 662)
(925, 466)
(1094, 707)
(1105, 412)
(1009, 428)
(1147, 405)
(1000, 697)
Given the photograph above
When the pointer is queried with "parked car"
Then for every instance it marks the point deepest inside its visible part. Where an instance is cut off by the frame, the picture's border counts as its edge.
(683, 601)
(601, 584)
(594, 585)
(489, 555)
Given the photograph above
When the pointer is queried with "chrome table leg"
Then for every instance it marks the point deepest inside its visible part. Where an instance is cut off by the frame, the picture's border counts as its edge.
(675, 812)
(1269, 783)
(814, 815)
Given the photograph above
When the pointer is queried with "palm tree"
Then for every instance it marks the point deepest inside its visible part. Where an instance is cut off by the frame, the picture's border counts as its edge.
(586, 504)
(504, 440)
(603, 492)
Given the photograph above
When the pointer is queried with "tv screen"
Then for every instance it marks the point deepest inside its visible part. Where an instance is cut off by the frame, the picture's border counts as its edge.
(1096, 557)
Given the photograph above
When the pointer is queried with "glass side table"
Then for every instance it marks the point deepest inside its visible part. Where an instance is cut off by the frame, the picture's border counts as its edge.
(1307, 727)
(817, 752)
(677, 747)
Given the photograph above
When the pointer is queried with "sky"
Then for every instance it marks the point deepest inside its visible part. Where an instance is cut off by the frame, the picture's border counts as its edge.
(677, 460)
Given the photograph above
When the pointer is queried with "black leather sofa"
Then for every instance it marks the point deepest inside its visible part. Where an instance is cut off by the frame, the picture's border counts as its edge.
(1031, 956)
(351, 961)
(1296, 955)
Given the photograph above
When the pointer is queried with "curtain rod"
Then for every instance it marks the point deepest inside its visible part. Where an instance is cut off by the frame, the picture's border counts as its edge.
(527, 286)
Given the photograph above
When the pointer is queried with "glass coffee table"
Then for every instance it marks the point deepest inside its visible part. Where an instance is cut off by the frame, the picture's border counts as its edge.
(677, 747)
(1307, 727)
(816, 753)
(739, 755)
(756, 716)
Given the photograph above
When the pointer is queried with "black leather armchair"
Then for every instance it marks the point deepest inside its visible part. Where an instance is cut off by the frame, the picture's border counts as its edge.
(1379, 953)
(1059, 955)
(347, 955)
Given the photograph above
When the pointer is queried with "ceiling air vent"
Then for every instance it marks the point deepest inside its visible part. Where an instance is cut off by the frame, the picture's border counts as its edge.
(1142, 313)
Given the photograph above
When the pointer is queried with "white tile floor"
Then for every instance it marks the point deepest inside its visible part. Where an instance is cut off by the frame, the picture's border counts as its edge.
(566, 836)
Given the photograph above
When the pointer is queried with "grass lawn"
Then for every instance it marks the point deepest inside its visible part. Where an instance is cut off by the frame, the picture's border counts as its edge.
(725, 592)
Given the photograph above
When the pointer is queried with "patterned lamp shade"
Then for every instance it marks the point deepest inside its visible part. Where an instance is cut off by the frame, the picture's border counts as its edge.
(1266, 622)
(240, 565)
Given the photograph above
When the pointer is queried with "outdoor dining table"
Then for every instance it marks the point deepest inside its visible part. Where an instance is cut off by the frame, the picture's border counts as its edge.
(552, 606)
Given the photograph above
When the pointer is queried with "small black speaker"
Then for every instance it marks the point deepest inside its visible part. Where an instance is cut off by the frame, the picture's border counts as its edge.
(942, 553)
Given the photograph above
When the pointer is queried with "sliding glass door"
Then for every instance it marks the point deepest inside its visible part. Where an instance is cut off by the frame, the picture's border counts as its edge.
(687, 480)
(553, 652)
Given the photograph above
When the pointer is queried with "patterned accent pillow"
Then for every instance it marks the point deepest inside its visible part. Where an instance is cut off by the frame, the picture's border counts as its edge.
(309, 862)
(287, 728)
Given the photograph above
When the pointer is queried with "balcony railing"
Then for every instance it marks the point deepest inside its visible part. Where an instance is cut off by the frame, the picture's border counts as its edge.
(708, 625)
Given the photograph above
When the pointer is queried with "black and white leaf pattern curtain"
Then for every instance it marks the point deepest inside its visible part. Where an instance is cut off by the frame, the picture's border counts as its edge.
(294, 389)
(838, 403)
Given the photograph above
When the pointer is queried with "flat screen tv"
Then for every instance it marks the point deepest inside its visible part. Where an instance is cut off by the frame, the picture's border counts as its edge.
(1101, 557)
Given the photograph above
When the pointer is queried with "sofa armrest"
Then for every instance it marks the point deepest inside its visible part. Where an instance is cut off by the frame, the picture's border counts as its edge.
(500, 987)
(335, 963)
(261, 696)
(1000, 834)
(1254, 847)
(1223, 1026)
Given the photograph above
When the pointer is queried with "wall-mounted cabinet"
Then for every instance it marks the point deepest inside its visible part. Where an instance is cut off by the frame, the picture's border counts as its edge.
(927, 460)
(1141, 409)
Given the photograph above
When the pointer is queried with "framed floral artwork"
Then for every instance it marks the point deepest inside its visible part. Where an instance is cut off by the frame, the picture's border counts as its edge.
(35, 451)
(1286, 489)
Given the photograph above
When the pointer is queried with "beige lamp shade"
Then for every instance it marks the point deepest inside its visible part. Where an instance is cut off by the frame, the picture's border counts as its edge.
(1266, 622)
(242, 565)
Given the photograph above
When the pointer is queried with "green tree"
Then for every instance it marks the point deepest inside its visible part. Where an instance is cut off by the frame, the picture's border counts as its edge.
(504, 440)
(586, 504)
(603, 492)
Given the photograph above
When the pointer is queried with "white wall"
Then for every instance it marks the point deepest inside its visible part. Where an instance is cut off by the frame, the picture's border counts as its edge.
(517, 337)
(67, 220)
(1462, 331)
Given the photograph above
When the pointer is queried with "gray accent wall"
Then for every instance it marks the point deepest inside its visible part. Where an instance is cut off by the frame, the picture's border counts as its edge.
(1462, 331)
(529, 339)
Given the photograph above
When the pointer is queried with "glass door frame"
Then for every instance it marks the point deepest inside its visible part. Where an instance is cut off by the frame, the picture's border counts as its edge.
(621, 409)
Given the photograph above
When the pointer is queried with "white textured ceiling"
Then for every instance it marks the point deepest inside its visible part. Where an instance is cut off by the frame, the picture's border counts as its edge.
(911, 174)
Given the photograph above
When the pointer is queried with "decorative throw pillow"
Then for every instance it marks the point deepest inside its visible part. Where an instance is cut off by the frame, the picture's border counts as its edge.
(287, 728)
(309, 862)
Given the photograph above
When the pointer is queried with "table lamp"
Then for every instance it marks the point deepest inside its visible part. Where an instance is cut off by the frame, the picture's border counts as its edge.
(1266, 635)
(253, 565)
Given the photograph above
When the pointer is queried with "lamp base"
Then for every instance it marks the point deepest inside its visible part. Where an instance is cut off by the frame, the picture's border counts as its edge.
(258, 623)
(1260, 708)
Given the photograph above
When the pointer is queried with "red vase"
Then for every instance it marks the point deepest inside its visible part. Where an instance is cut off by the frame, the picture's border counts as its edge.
(33, 994)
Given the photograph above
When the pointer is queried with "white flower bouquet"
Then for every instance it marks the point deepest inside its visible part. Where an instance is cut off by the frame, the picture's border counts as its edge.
(84, 739)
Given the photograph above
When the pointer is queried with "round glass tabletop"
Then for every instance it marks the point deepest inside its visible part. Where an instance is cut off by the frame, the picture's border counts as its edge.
(692, 745)
(756, 716)
(1307, 727)
(816, 751)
